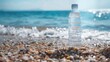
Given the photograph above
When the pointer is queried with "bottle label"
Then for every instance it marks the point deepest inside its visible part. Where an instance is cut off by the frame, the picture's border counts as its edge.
(75, 29)
(75, 22)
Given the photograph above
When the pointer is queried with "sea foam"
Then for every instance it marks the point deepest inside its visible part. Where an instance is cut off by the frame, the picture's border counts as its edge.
(88, 35)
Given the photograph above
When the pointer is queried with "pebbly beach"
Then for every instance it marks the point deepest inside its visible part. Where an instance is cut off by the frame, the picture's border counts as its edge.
(49, 45)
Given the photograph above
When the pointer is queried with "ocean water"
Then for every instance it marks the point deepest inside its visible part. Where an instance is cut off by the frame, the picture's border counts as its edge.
(99, 20)
(96, 19)
(35, 18)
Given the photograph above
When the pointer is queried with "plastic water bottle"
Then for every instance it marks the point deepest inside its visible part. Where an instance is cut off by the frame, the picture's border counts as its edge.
(74, 27)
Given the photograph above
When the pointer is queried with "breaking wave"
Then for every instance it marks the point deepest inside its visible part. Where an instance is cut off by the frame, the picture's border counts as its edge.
(87, 35)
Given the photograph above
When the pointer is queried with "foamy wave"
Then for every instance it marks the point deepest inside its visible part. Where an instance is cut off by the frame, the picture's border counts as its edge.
(22, 32)
(100, 13)
(87, 35)
(95, 36)
(34, 32)
(101, 10)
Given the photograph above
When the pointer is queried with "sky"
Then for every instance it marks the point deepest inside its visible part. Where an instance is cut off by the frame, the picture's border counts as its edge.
(94, 4)
(52, 4)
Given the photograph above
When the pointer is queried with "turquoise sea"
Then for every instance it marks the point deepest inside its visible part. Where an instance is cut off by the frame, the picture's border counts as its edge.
(92, 20)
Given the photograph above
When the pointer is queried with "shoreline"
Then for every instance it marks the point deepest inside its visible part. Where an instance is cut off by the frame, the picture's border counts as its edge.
(34, 33)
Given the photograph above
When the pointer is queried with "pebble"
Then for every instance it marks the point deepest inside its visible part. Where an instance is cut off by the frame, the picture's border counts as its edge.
(63, 60)
(34, 53)
(106, 52)
(32, 58)
(25, 57)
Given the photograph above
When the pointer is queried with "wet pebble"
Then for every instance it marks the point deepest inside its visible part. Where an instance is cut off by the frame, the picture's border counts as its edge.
(25, 57)
(106, 52)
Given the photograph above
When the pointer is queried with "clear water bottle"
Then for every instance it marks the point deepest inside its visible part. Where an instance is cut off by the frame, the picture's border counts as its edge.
(74, 27)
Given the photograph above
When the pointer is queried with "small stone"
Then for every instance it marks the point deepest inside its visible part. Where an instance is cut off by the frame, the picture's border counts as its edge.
(23, 51)
(38, 60)
(106, 52)
(25, 57)
(9, 54)
(49, 52)
(94, 57)
(44, 61)
(83, 48)
(50, 44)
(32, 58)
(42, 54)
(72, 51)
(86, 53)
(91, 59)
(63, 60)
(70, 58)
(50, 60)
(76, 57)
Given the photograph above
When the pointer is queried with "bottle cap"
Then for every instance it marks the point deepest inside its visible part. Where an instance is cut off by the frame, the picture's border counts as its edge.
(74, 6)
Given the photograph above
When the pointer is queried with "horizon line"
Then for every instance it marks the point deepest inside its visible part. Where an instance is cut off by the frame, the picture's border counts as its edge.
(35, 10)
